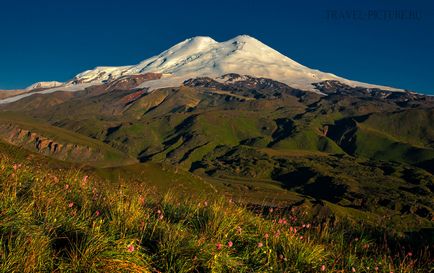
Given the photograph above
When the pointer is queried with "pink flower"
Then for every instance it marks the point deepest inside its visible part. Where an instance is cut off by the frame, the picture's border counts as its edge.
(230, 244)
(85, 178)
(219, 246)
(376, 268)
(66, 186)
(323, 268)
(71, 204)
(130, 248)
(410, 254)
(301, 237)
(97, 213)
(260, 244)
(271, 210)
(205, 203)
(353, 269)
(308, 226)
(158, 211)
(266, 235)
(15, 167)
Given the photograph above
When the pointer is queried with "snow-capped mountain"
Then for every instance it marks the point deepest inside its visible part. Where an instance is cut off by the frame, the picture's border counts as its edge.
(205, 57)
(44, 85)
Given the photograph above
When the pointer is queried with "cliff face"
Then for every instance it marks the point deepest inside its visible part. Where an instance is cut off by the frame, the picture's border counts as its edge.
(37, 142)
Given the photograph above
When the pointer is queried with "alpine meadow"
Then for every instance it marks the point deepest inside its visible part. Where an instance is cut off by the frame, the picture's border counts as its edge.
(214, 157)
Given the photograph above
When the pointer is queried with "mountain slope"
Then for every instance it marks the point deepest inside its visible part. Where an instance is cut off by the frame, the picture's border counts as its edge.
(204, 57)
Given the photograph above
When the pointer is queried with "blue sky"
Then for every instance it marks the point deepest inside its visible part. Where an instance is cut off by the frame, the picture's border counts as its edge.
(54, 40)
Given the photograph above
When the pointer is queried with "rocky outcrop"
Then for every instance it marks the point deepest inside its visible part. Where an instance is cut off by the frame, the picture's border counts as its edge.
(132, 81)
(248, 86)
(36, 142)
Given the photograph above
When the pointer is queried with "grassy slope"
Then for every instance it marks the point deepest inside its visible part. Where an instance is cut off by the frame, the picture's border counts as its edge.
(110, 156)
(65, 222)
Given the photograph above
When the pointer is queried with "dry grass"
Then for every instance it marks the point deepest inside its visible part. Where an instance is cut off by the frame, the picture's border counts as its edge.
(68, 222)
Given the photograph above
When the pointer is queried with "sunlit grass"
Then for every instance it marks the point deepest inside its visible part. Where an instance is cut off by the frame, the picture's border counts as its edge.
(68, 222)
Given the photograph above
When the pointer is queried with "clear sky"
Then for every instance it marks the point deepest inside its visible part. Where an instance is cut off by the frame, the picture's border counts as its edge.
(388, 42)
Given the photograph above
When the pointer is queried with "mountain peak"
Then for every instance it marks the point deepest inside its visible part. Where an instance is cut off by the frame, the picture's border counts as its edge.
(44, 85)
(244, 38)
(202, 56)
(202, 39)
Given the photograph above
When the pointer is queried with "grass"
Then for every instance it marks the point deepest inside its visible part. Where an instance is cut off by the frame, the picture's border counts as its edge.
(101, 155)
(65, 221)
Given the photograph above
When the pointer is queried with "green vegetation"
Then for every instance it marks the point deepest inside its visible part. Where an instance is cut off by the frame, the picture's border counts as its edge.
(356, 163)
(65, 221)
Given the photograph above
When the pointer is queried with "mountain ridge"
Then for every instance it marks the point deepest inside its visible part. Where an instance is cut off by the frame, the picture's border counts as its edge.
(202, 56)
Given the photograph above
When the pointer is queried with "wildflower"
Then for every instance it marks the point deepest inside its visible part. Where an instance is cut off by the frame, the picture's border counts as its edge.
(281, 256)
(356, 239)
(271, 210)
(71, 204)
(83, 183)
(219, 246)
(230, 244)
(409, 254)
(308, 226)
(353, 269)
(66, 186)
(266, 235)
(160, 217)
(323, 267)
(260, 244)
(97, 213)
(376, 268)
(301, 237)
(130, 248)
(205, 203)
(15, 167)
(158, 211)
